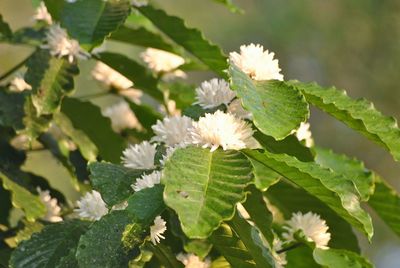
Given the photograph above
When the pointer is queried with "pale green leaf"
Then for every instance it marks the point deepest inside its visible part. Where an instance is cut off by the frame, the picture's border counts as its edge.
(203, 187)
(277, 107)
(23, 199)
(87, 117)
(334, 258)
(264, 177)
(359, 114)
(51, 79)
(47, 248)
(331, 188)
(113, 181)
(189, 38)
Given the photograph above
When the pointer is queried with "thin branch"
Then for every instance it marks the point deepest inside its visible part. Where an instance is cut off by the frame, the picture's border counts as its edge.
(296, 245)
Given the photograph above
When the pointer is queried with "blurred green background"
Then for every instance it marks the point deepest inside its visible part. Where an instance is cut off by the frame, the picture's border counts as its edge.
(354, 45)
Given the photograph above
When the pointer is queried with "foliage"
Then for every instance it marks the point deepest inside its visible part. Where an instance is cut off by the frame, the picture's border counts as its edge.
(228, 205)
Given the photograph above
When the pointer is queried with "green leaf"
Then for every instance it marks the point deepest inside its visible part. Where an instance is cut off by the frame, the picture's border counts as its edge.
(87, 117)
(359, 115)
(232, 248)
(51, 78)
(141, 37)
(45, 249)
(165, 256)
(12, 109)
(5, 30)
(113, 181)
(386, 203)
(203, 187)
(264, 177)
(89, 21)
(190, 39)
(259, 213)
(146, 115)
(277, 108)
(23, 199)
(351, 168)
(86, 146)
(296, 199)
(253, 241)
(183, 94)
(301, 257)
(230, 5)
(333, 258)
(34, 124)
(102, 245)
(146, 204)
(331, 188)
(133, 71)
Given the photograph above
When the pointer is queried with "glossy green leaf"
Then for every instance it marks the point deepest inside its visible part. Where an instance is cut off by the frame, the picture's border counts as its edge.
(277, 107)
(5, 30)
(264, 177)
(51, 78)
(297, 199)
(351, 168)
(189, 38)
(134, 71)
(141, 37)
(47, 248)
(360, 115)
(331, 188)
(232, 248)
(23, 199)
(113, 181)
(333, 258)
(256, 206)
(87, 117)
(252, 239)
(203, 187)
(146, 204)
(89, 21)
(386, 203)
(102, 245)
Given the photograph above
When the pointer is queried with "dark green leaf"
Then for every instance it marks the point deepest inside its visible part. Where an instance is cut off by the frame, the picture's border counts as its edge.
(102, 245)
(89, 21)
(133, 71)
(5, 201)
(22, 198)
(296, 199)
(88, 118)
(301, 257)
(5, 30)
(51, 78)
(34, 124)
(113, 181)
(182, 94)
(203, 187)
(45, 249)
(190, 39)
(360, 115)
(12, 109)
(141, 37)
(165, 256)
(331, 188)
(146, 115)
(253, 241)
(277, 108)
(351, 168)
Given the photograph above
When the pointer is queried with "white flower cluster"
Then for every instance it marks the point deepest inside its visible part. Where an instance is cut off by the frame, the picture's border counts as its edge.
(91, 206)
(41, 14)
(60, 45)
(163, 62)
(18, 84)
(121, 117)
(51, 204)
(303, 133)
(192, 261)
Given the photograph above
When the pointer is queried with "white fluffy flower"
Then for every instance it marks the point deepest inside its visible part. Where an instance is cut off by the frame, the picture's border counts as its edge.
(172, 130)
(236, 108)
(147, 181)
(139, 156)
(61, 45)
(313, 227)
(257, 63)
(109, 77)
(222, 129)
(157, 229)
(304, 133)
(18, 84)
(121, 116)
(161, 61)
(279, 258)
(53, 209)
(139, 3)
(41, 14)
(193, 261)
(91, 206)
(213, 93)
